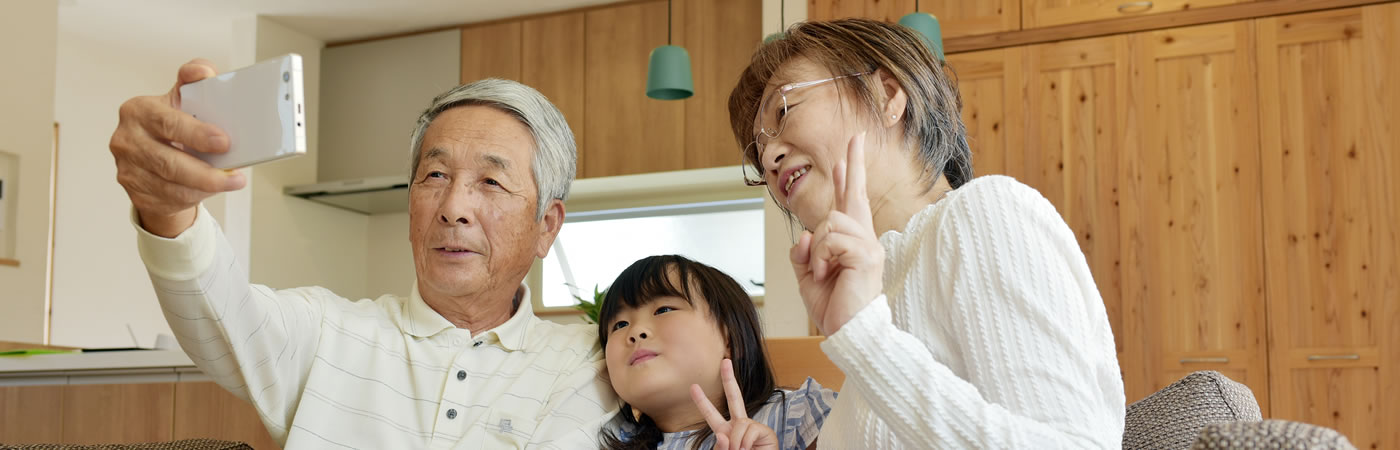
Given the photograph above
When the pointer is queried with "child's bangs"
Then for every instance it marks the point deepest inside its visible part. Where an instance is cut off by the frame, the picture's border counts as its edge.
(642, 282)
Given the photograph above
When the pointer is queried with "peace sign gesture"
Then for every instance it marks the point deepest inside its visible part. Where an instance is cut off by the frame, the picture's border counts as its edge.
(739, 432)
(840, 262)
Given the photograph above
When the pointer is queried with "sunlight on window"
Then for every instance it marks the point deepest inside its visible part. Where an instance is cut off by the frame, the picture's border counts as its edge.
(592, 253)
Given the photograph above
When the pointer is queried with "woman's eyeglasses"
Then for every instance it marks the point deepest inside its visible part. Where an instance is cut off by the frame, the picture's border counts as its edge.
(769, 123)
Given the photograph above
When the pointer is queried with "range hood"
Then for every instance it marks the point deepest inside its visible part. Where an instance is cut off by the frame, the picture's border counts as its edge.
(374, 195)
(389, 194)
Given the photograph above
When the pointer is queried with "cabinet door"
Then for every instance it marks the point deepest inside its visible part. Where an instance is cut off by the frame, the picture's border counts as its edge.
(205, 410)
(31, 414)
(1074, 103)
(955, 18)
(1330, 91)
(491, 51)
(625, 131)
(1193, 283)
(551, 61)
(1044, 13)
(117, 413)
(989, 84)
(720, 36)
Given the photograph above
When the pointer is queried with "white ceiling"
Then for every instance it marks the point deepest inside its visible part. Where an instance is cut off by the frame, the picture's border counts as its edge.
(197, 26)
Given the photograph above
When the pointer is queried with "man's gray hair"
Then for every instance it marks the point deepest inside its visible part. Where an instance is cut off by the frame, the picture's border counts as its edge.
(556, 153)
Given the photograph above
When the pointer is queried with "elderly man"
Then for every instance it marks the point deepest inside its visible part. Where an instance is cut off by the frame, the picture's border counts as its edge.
(461, 362)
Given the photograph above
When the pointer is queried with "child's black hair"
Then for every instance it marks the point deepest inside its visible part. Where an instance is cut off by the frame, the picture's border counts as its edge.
(731, 308)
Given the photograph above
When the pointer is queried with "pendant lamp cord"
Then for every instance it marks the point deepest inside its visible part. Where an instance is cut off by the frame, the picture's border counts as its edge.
(668, 22)
(782, 14)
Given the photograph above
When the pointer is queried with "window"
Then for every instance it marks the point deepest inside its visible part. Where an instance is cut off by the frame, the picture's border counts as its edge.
(594, 246)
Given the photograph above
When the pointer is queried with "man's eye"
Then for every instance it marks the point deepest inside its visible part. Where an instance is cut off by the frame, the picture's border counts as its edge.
(663, 310)
(492, 182)
(619, 325)
(436, 174)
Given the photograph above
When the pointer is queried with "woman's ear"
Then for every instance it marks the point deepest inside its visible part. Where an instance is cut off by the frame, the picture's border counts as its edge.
(895, 98)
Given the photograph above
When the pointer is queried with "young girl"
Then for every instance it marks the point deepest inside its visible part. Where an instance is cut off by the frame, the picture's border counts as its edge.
(670, 328)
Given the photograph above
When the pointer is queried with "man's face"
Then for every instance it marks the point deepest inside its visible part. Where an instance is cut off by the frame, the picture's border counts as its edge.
(472, 205)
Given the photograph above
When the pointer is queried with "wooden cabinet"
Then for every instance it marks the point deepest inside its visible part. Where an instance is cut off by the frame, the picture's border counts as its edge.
(117, 413)
(491, 51)
(1044, 13)
(1193, 277)
(1330, 90)
(626, 132)
(955, 18)
(721, 36)
(989, 84)
(31, 414)
(551, 61)
(205, 410)
(1074, 130)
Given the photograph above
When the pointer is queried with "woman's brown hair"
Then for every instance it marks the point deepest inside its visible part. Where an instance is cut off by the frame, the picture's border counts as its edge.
(931, 116)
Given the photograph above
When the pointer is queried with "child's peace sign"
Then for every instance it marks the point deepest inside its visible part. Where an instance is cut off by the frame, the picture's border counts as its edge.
(839, 263)
(739, 432)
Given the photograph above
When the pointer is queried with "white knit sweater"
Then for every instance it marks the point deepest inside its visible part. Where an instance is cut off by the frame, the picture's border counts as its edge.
(991, 334)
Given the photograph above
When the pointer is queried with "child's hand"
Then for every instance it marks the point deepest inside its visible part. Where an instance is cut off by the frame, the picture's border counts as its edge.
(840, 263)
(739, 432)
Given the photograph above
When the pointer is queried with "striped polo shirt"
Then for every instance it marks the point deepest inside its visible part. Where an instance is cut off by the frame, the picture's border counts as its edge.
(324, 371)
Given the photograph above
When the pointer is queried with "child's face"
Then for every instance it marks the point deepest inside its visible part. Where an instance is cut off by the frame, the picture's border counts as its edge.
(657, 351)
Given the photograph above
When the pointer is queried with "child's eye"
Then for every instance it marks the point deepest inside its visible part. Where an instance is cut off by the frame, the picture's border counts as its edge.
(663, 310)
(619, 325)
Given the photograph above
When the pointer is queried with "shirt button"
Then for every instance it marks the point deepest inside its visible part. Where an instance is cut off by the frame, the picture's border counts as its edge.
(452, 414)
(461, 375)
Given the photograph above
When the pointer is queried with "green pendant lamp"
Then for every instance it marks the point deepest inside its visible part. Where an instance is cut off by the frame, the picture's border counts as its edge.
(927, 26)
(668, 71)
(782, 11)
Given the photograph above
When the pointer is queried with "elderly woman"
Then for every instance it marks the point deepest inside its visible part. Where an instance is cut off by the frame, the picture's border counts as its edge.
(972, 319)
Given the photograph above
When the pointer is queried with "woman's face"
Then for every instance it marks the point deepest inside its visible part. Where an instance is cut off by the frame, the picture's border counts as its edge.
(799, 164)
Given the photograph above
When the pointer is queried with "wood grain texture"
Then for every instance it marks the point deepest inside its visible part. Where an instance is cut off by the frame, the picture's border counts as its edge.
(31, 414)
(1042, 13)
(955, 18)
(205, 410)
(626, 132)
(794, 359)
(552, 62)
(117, 413)
(1193, 286)
(491, 51)
(990, 87)
(1135, 23)
(1329, 95)
(1074, 103)
(721, 36)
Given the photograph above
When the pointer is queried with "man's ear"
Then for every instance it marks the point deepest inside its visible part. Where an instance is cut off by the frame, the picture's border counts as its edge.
(895, 98)
(550, 224)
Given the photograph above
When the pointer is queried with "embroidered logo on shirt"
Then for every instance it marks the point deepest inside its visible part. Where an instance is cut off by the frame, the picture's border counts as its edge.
(505, 425)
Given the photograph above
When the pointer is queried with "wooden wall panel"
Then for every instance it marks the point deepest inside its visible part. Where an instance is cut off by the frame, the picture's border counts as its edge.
(989, 84)
(491, 51)
(31, 414)
(625, 131)
(721, 36)
(955, 18)
(1044, 13)
(552, 62)
(1330, 95)
(1193, 276)
(205, 410)
(117, 413)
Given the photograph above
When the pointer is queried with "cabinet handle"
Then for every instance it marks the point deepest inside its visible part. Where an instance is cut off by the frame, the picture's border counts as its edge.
(1145, 6)
(1352, 356)
(1218, 359)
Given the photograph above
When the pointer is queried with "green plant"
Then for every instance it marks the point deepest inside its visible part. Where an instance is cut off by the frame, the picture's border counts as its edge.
(591, 308)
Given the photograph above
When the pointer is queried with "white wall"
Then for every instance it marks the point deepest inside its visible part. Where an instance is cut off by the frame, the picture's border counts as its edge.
(28, 39)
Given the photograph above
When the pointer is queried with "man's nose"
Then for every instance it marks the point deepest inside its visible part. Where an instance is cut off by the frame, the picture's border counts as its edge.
(457, 206)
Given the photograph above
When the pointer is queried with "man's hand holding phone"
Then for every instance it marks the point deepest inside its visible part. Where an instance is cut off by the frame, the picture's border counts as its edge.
(165, 183)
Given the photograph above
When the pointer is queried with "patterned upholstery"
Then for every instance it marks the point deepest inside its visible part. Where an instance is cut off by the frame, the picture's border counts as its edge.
(1172, 417)
(188, 444)
(1279, 434)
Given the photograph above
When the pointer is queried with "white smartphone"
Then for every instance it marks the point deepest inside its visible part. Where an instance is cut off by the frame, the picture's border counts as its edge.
(259, 107)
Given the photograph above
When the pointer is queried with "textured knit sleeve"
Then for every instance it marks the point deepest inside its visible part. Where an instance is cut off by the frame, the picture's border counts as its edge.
(255, 342)
(1027, 320)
